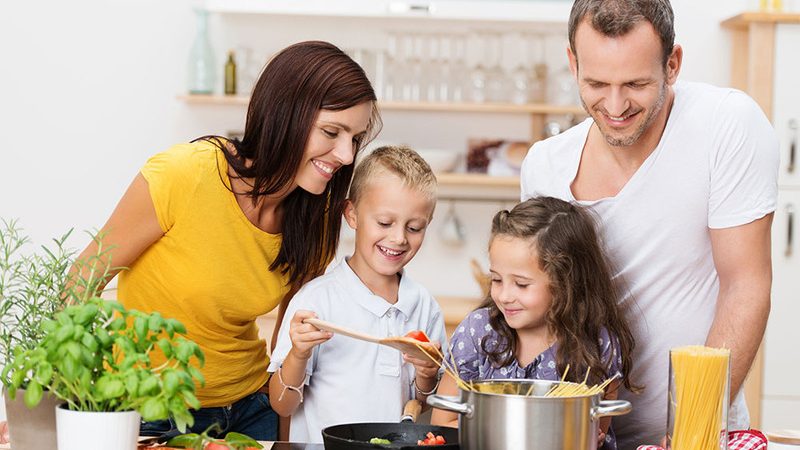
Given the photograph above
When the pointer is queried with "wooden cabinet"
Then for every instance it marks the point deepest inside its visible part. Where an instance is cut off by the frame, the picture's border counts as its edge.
(766, 66)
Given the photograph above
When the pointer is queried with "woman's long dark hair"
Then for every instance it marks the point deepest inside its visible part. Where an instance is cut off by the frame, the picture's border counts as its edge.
(584, 293)
(298, 82)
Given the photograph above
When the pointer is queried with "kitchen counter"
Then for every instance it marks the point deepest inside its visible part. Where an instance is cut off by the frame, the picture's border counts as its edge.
(291, 446)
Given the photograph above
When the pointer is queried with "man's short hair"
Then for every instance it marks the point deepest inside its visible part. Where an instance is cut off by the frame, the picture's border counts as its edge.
(615, 18)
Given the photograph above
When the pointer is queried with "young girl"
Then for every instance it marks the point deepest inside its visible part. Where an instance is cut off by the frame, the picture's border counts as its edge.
(552, 303)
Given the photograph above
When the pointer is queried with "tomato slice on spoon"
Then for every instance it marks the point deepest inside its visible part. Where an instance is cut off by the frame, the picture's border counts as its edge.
(418, 335)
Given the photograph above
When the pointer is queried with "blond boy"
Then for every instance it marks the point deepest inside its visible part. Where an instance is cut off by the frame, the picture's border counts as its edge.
(322, 379)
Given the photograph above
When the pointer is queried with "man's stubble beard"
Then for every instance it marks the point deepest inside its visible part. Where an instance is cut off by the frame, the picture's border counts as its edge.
(651, 117)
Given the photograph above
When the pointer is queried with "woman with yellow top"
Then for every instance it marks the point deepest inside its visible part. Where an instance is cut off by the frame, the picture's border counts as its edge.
(219, 231)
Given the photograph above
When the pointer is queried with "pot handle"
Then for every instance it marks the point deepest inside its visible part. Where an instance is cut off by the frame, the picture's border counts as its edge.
(608, 408)
(451, 404)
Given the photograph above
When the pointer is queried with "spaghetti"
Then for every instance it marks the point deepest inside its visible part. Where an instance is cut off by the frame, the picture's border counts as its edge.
(567, 389)
(562, 389)
(698, 396)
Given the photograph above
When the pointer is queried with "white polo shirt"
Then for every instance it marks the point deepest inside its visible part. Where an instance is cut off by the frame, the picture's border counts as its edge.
(348, 380)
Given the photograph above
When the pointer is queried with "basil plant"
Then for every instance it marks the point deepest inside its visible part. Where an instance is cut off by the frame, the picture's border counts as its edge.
(97, 356)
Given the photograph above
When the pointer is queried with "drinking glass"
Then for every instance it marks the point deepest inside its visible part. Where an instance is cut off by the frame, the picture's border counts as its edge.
(496, 90)
(392, 69)
(478, 75)
(443, 67)
(522, 74)
(459, 79)
(412, 90)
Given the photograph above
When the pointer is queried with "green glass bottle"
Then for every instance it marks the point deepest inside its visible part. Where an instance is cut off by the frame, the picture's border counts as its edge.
(230, 75)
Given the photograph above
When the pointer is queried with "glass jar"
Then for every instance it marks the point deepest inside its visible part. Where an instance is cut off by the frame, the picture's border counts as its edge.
(698, 399)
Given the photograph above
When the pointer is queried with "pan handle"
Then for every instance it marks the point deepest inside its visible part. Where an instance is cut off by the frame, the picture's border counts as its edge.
(608, 408)
(411, 411)
(450, 404)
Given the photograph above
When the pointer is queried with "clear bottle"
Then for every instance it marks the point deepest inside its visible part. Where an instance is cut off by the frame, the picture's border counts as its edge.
(201, 70)
(230, 74)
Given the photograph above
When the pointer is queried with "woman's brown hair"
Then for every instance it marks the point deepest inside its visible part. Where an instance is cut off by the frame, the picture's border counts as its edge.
(584, 293)
(296, 84)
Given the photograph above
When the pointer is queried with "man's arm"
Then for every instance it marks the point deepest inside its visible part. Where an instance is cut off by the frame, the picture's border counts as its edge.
(742, 256)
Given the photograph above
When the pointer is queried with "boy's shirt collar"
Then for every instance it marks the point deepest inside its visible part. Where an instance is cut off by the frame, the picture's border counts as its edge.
(407, 295)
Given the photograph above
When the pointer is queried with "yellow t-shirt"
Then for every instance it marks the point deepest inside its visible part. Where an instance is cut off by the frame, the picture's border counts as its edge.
(210, 270)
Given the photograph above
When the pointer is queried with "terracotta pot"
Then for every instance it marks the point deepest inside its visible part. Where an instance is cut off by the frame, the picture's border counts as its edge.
(31, 429)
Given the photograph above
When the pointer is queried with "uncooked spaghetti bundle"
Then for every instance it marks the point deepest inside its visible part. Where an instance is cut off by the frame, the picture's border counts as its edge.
(698, 397)
(567, 389)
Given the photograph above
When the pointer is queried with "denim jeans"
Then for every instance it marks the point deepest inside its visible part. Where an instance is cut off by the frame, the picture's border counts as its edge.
(251, 415)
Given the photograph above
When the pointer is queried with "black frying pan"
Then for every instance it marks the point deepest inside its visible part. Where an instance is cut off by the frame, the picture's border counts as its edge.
(403, 435)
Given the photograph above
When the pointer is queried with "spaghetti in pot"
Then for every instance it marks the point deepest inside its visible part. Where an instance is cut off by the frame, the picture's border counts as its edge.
(562, 389)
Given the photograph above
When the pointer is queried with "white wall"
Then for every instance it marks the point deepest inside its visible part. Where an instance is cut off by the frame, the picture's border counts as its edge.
(87, 93)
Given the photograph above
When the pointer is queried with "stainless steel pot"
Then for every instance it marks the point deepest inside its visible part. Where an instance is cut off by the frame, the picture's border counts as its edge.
(514, 420)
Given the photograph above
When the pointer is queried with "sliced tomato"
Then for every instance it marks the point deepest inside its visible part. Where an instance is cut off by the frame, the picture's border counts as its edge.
(217, 446)
(418, 335)
(430, 439)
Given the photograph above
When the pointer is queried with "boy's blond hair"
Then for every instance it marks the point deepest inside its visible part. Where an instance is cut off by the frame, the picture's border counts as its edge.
(413, 171)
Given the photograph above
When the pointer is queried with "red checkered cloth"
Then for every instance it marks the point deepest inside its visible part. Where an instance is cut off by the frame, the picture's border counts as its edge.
(737, 440)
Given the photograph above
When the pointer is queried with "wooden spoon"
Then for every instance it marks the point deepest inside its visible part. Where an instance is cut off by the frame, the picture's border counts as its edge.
(404, 344)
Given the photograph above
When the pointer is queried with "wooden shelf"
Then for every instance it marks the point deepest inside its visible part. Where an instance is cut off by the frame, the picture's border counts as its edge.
(476, 179)
(746, 18)
(473, 187)
(533, 108)
(203, 99)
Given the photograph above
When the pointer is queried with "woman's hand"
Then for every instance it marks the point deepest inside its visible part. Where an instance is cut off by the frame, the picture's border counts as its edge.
(305, 336)
(426, 371)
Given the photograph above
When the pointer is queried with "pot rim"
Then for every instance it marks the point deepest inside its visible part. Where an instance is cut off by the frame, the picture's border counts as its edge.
(64, 407)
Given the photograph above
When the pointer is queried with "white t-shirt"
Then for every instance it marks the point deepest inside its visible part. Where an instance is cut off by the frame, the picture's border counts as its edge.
(349, 380)
(716, 166)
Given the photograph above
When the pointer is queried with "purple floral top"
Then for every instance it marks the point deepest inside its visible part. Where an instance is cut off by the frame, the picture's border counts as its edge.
(474, 364)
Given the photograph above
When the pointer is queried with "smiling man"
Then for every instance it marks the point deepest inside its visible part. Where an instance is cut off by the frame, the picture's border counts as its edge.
(683, 179)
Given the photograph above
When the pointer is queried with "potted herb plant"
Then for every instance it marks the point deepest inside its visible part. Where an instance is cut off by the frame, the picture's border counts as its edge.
(96, 357)
(63, 342)
(32, 287)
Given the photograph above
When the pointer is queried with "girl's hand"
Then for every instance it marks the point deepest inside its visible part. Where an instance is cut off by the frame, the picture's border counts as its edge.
(601, 437)
(305, 336)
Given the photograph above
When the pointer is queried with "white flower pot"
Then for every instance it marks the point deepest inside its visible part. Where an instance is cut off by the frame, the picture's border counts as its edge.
(80, 430)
